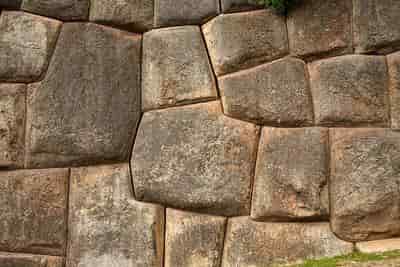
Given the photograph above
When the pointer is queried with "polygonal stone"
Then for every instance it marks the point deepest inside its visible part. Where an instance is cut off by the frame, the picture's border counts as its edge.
(239, 5)
(26, 43)
(64, 10)
(291, 175)
(393, 61)
(184, 12)
(276, 93)
(379, 246)
(134, 15)
(350, 90)
(29, 260)
(365, 183)
(14, 4)
(375, 25)
(195, 158)
(87, 113)
(243, 40)
(176, 69)
(33, 211)
(12, 124)
(107, 227)
(250, 243)
(193, 239)
(320, 27)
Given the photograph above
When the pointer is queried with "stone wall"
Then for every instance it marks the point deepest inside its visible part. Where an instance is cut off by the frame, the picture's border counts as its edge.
(197, 133)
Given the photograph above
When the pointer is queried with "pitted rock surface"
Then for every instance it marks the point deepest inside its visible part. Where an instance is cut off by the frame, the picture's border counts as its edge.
(393, 61)
(66, 10)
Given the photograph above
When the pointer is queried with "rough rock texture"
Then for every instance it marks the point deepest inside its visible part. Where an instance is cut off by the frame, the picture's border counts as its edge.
(176, 69)
(29, 260)
(291, 175)
(365, 183)
(393, 61)
(193, 239)
(375, 25)
(26, 43)
(258, 244)
(180, 12)
(86, 114)
(242, 40)
(134, 15)
(195, 158)
(14, 4)
(320, 28)
(277, 93)
(350, 90)
(239, 5)
(33, 211)
(107, 227)
(379, 246)
(12, 124)
(64, 10)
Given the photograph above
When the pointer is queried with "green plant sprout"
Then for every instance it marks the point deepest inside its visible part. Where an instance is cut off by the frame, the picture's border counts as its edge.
(281, 6)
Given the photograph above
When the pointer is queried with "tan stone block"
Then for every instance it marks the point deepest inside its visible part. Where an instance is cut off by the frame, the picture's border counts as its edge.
(379, 246)
(29, 260)
(64, 10)
(394, 88)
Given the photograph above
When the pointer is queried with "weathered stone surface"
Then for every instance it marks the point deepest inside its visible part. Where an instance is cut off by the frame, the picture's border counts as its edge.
(239, 5)
(276, 93)
(243, 40)
(14, 4)
(193, 239)
(258, 244)
(29, 260)
(195, 158)
(350, 90)
(12, 124)
(134, 15)
(107, 227)
(33, 211)
(26, 43)
(393, 61)
(379, 246)
(64, 10)
(184, 12)
(87, 113)
(375, 25)
(320, 27)
(176, 69)
(365, 183)
(291, 175)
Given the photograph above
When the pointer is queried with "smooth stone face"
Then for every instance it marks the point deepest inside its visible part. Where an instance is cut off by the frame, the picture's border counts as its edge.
(195, 158)
(184, 12)
(65, 10)
(33, 211)
(26, 43)
(29, 260)
(86, 114)
(365, 183)
(250, 243)
(14, 4)
(107, 227)
(176, 69)
(12, 125)
(246, 39)
(375, 25)
(393, 61)
(350, 90)
(193, 239)
(239, 5)
(271, 94)
(320, 28)
(136, 15)
(291, 175)
(379, 246)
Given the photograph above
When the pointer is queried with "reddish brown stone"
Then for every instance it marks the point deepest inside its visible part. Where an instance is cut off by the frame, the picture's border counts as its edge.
(29, 260)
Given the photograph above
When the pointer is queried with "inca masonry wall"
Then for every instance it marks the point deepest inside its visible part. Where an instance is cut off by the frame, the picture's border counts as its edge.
(196, 133)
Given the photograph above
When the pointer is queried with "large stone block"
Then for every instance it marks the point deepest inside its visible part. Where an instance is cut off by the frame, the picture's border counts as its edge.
(14, 4)
(258, 244)
(29, 260)
(375, 25)
(134, 15)
(65, 10)
(393, 61)
(176, 69)
(12, 124)
(291, 175)
(26, 43)
(350, 90)
(379, 246)
(276, 93)
(184, 12)
(195, 158)
(193, 239)
(239, 5)
(87, 108)
(365, 183)
(243, 40)
(33, 211)
(107, 227)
